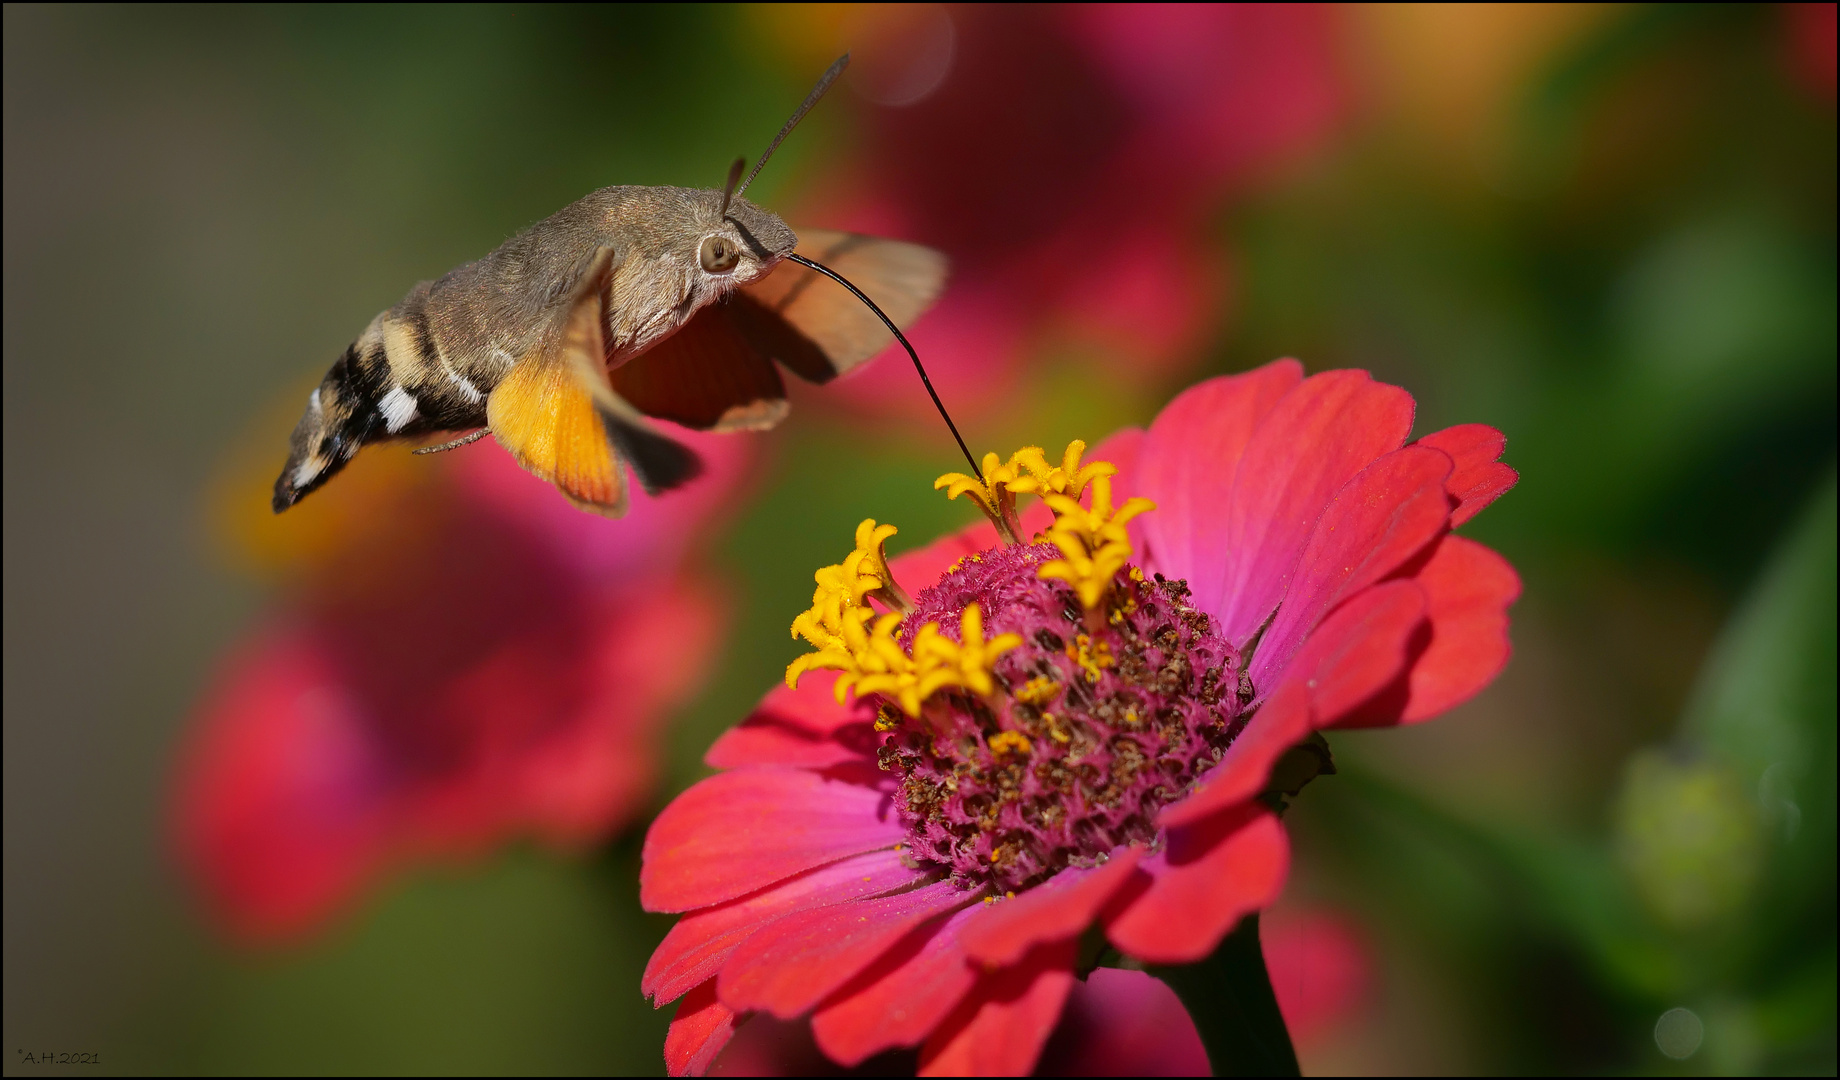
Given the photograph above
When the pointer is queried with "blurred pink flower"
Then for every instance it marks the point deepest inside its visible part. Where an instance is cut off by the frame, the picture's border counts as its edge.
(1123, 1023)
(1320, 966)
(1808, 31)
(472, 660)
(1070, 164)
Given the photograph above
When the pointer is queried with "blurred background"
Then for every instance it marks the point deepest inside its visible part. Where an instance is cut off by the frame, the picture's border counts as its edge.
(1607, 230)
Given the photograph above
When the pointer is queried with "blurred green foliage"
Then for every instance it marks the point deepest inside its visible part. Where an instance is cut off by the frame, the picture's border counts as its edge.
(1712, 888)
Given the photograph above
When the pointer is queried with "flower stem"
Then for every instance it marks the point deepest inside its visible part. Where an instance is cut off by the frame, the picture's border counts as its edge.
(1230, 999)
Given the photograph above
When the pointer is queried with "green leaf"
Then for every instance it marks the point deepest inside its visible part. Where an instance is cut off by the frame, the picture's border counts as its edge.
(1764, 709)
(1766, 698)
(1569, 886)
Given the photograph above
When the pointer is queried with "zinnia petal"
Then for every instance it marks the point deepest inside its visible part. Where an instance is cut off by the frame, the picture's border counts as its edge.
(1314, 441)
(1468, 589)
(1349, 661)
(1359, 649)
(1382, 518)
(1199, 886)
(1060, 907)
(702, 941)
(902, 997)
(804, 727)
(1000, 1028)
(746, 829)
(791, 964)
(698, 1033)
(1187, 463)
(1478, 478)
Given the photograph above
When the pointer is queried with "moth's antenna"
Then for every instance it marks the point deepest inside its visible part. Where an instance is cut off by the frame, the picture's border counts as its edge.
(728, 189)
(896, 331)
(824, 83)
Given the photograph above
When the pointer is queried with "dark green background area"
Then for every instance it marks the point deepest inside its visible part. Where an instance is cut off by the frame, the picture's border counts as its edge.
(202, 205)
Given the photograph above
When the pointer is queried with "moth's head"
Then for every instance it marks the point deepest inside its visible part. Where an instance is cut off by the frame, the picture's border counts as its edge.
(740, 242)
(740, 245)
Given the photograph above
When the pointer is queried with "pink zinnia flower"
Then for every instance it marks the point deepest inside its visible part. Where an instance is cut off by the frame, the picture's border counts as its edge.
(1054, 736)
(472, 660)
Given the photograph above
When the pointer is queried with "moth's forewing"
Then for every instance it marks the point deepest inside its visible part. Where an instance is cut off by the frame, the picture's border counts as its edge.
(543, 412)
(904, 279)
(556, 414)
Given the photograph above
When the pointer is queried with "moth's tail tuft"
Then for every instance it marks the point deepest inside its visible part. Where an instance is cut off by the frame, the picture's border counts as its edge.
(335, 426)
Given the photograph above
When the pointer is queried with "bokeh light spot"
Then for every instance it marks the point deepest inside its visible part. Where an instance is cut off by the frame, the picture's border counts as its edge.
(1679, 1032)
(901, 52)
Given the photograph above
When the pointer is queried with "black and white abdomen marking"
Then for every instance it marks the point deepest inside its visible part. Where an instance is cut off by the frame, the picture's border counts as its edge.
(395, 381)
(431, 385)
(341, 416)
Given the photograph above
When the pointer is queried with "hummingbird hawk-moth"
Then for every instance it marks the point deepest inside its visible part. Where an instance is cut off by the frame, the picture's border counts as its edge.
(633, 302)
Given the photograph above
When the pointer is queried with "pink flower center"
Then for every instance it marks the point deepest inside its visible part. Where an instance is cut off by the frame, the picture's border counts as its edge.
(1098, 719)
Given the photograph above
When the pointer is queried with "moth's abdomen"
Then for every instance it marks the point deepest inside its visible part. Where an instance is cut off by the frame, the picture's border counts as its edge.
(342, 415)
(395, 381)
(437, 375)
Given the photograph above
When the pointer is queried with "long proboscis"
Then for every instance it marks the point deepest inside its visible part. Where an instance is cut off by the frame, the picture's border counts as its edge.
(898, 336)
(824, 83)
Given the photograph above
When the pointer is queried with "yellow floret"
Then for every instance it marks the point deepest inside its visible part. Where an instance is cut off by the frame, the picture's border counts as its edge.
(863, 644)
(1094, 543)
(1038, 691)
(1090, 656)
(1009, 742)
(1069, 478)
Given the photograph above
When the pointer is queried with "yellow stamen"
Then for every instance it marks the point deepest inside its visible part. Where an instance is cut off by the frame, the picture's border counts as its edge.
(991, 492)
(1069, 478)
(1092, 658)
(1038, 691)
(852, 638)
(1008, 742)
(839, 605)
(1027, 472)
(1094, 542)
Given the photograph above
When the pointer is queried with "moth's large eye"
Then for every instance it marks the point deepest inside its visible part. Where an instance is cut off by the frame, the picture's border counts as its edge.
(719, 254)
